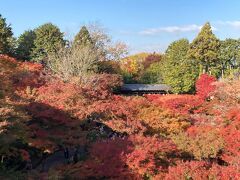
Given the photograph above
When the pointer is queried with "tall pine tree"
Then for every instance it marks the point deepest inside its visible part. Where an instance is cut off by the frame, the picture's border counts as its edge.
(178, 71)
(83, 38)
(6, 36)
(48, 39)
(204, 49)
(25, 45)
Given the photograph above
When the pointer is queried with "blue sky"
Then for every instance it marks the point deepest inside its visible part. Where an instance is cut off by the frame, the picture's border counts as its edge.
(145, 25)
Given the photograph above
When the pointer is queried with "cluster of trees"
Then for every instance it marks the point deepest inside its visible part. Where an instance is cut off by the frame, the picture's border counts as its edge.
(149, 137)
(32, 44)
(67, 58)
(44, 111)
(179, 66)
(141, 68)
(183, 62)
(91, 50)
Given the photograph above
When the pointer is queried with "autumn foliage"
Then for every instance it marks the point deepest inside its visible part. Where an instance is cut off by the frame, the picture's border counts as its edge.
(125, 137)
(204, 86)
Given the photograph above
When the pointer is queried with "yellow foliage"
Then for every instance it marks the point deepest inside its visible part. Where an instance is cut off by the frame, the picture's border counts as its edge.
(139, 57)
(206, 144)
(162, 121)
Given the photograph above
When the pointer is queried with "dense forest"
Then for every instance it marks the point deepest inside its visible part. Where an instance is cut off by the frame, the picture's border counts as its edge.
(62, 117)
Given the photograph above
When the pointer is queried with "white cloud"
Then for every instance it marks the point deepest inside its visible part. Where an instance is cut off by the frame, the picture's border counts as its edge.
(173, 29)
(148, 47)
(235, 24)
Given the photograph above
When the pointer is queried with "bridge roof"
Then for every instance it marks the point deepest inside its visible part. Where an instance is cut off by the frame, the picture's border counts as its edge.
(145, 87)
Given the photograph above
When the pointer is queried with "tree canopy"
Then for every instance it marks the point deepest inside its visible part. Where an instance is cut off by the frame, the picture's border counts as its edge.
(49, 38)
(178, 71)
(229, 55)
(6, 36)
(204, 49)
(25, 45)
(83, 38)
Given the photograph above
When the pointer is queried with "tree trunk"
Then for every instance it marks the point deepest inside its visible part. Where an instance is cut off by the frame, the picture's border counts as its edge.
(222, 71)
(206, 69)
(2, 159)
(201, 69)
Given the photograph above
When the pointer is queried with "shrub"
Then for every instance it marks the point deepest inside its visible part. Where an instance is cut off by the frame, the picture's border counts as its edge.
(162, 121)
(231, 135)
(134, 157)
(187, 170)
(199, 170)
(182, 104)
(205, 86)
(228, 92)
(201, 142)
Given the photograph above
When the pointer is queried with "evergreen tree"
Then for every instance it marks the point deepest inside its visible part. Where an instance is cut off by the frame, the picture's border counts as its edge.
(178, 71)
(204, 49)
(48, 40)
(6, 37)
(152, 74)
(83, 38)
(25, 45)
(228, 55)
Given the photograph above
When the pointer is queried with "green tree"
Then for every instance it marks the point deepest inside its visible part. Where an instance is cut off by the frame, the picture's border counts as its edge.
(25, 45)
(178, 71)
(204, 49)
(6, 37)
(229, 55)
(83, 38)
(49, 39)
(152, 74)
